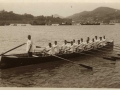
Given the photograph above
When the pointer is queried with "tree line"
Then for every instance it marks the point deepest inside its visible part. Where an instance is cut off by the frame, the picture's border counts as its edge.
(7, 18)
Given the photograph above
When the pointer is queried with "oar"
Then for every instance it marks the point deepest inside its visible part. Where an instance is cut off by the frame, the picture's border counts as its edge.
(107, 58)
(106, 51)
(117, 46)
(85, 66)
(115, 57)
(12, 49)
(38, 47)
(118, 54)
(98, 50)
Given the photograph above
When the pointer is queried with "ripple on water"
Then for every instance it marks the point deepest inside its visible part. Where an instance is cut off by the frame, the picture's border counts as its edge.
(105, 73)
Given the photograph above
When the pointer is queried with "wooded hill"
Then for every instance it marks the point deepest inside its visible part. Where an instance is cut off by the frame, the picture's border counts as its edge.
(7, 18)
(100, 14)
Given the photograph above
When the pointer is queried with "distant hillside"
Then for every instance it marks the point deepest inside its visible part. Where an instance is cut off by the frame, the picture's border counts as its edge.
(99, 14)
(7, 18)
(56, 15)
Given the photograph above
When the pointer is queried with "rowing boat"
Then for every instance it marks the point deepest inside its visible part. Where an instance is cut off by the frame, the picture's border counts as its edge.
(15, 60)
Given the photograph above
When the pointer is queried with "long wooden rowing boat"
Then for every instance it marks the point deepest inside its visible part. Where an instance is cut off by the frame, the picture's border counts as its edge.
(15, 60)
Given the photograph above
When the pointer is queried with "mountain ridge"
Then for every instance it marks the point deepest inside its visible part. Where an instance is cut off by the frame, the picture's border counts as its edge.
(100, 14)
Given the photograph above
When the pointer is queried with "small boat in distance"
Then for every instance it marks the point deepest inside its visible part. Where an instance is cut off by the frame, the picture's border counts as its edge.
(15, 60)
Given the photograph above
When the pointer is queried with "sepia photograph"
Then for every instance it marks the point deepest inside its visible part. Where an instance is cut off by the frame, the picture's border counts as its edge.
(59, 44)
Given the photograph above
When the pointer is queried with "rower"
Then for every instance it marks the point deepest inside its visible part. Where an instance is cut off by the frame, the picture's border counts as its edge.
(49, 49)
(88, 45)
(79, 46)
(104, 41)
(56, 48)
(71, 48)
(64, 47)
(100, 44)
(74, 45)
(81, 40)
(83, 43)
(93, 44)
(88, 38)
(96, 42)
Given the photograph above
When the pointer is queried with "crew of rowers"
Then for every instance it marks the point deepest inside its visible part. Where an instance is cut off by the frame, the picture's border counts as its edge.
(71, 47)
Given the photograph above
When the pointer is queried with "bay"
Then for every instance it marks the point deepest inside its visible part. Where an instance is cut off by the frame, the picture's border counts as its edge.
(59, 73)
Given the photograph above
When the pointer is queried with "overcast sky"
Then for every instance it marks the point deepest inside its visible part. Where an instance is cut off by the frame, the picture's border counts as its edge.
(61, 7)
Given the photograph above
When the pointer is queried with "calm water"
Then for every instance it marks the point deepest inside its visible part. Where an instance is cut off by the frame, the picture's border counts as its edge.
(60, 73)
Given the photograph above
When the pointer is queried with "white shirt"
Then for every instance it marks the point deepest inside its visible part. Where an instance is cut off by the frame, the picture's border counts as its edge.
(97, 42)
(49, 50)
(80, 46)
(89, 46)
(72, 48)
(64, 47)
(56, 49)
(103, 42)
(29, 47)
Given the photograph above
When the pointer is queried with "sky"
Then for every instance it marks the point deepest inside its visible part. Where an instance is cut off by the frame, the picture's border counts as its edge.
(50, 7)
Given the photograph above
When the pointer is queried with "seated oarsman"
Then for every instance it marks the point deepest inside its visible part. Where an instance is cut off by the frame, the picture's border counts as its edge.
(49, 50)
(93, 44)
(88, 39)
(64, 47)
(88, 45)
(71, 48)
(83, 44)
(74, 45)
(104, 41)
(100, 44)
(56, 48)
(79, 47)
(96, 42)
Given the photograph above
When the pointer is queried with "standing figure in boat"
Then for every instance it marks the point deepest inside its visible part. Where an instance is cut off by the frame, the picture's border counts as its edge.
(29, 47)
(56, 48)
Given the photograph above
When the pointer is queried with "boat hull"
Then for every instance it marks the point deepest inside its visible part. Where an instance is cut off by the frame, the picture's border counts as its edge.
(9, 61)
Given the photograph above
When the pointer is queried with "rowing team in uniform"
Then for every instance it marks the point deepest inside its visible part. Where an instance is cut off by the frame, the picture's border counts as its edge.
(71, 47)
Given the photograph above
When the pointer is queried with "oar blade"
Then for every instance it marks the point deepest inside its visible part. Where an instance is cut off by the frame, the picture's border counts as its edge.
(118, 54)
(85, 66)
(109, 58)
(38, 47)
(115, 57)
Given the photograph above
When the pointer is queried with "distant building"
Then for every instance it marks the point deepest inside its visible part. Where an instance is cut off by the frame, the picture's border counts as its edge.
(55, 24)
(19, 24)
